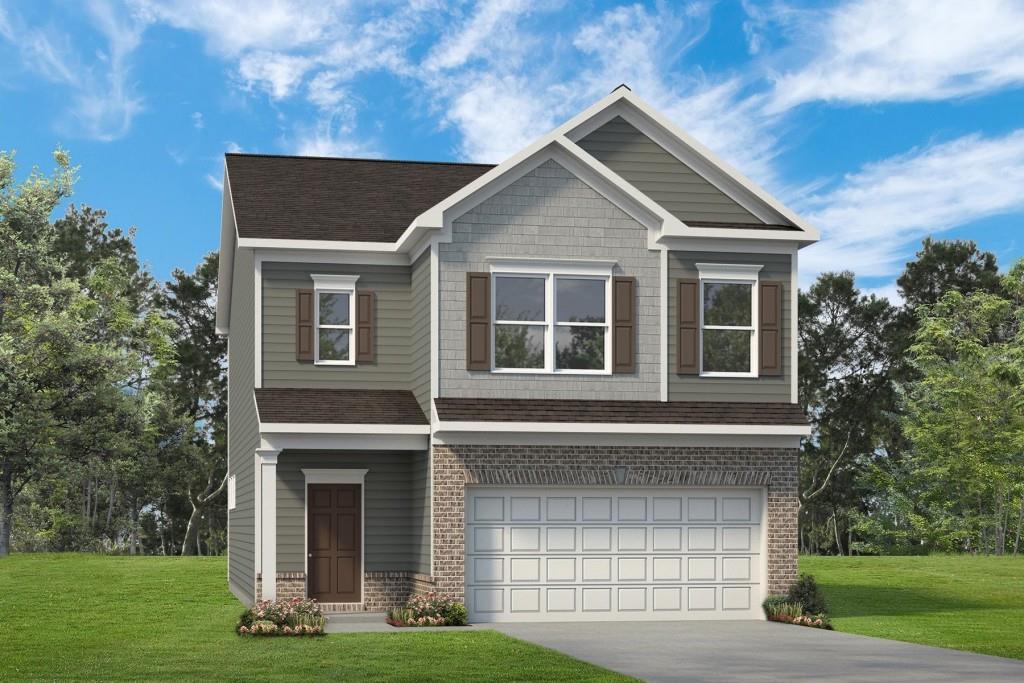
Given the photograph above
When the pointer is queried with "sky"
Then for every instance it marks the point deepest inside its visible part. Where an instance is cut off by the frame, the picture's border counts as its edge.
(879, 122)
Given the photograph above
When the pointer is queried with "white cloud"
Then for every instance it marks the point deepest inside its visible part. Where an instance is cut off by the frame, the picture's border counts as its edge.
(215, 182)
(876, 50)
(197, 120)
(888, 291)
(871, 223)
(473, 39)
(276, 73)
(332, 135)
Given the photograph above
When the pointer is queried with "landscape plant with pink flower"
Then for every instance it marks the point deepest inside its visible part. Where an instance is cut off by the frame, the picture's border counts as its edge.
(430, 609)
(295, 617)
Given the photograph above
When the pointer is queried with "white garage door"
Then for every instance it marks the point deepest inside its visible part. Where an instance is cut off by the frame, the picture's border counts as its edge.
(618, 554)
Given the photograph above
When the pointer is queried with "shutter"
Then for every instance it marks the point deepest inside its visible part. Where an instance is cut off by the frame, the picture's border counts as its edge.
(365, 333)
(623, 325)
(688, 327)
(478, 321)
(304, 324)
(769, 332)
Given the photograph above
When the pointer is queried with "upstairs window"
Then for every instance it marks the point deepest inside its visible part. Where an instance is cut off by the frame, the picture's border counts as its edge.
(548, 319)
(728, 331)
(334, 323)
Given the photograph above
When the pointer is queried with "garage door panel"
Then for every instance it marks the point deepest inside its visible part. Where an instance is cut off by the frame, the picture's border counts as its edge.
(616, 554)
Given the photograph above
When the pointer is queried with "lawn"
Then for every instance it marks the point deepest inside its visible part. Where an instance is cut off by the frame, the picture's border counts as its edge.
(91, 617)
(961, 602)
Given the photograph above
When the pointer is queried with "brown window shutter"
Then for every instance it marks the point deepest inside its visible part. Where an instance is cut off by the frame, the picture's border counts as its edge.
(304, 324)
(365, 333)
(769, 333)
(623, 325)
(478, 321)
(687, 327)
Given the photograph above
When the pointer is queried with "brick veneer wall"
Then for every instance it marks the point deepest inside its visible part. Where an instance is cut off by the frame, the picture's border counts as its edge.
(455, 466)
(382, 590)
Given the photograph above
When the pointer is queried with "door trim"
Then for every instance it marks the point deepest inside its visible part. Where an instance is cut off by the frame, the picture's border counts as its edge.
(336, 476)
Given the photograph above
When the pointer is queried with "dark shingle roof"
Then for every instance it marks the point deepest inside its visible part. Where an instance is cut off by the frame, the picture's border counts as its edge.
(317, 198)
(650, 412)
(338, 406)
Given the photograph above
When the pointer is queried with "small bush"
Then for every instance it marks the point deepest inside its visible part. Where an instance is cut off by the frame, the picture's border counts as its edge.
(430, 609)
(295, 617)
(781, 608)
(807, 593)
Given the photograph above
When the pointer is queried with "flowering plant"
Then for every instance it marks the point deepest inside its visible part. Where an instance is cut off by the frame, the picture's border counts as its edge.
(430, 609)
(295, 617)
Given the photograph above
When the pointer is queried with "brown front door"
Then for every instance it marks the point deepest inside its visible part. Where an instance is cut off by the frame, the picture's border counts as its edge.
(335, 542)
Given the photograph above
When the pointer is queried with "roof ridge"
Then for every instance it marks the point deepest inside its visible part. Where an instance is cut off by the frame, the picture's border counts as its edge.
(388, 161)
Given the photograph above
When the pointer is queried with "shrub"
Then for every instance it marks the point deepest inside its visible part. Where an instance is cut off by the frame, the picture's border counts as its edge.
(781, 608)
(430, 609)
(295, 617)
(807, 593)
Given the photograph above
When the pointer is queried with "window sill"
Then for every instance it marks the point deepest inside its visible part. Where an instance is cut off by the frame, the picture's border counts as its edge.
(335, 363)
(739, 375)
(525, 371)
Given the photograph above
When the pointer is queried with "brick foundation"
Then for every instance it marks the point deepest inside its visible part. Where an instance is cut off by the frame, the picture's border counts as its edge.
(382, 590)
(455, 466)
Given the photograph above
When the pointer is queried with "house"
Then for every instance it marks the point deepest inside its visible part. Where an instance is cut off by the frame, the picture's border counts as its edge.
(563, 387)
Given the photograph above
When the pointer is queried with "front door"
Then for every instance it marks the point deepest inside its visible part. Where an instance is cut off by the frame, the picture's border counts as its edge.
(335, 542)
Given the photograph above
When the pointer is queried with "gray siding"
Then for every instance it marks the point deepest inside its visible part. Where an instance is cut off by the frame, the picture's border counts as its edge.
(390, 370)
(419, 351)
(660, 175)
(397, 531)
(693, 388)
(549, 213)
(243, 429)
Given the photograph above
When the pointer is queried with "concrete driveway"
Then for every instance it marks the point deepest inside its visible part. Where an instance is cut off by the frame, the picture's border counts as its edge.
(753, 651)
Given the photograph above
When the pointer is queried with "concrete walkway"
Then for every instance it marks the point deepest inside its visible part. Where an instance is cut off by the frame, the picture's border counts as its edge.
(373, 622)
(753, 651)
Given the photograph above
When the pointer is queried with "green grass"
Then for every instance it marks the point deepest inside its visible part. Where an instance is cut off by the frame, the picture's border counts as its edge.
(91, 617)
(960, 602)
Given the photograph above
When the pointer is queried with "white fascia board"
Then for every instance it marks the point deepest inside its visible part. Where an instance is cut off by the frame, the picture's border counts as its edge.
(351, 442)
(323, 245)
(362, 258)
(761, 246)
(602, 439)
(329, 428)
(226, 264)
(791, 236)
(721, 165)
(622, 428)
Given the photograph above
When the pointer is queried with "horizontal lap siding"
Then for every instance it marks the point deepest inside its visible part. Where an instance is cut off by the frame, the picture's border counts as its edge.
(419, 354)
(693, 388)
(661, 176)
(393, 508)
(548, 213)
(243, 428)
(390, 369)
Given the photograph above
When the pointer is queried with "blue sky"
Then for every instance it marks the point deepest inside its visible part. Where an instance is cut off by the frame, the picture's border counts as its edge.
(880, 122)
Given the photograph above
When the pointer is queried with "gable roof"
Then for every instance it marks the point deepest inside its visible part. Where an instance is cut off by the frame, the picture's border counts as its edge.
(338, 406)
(337, 199)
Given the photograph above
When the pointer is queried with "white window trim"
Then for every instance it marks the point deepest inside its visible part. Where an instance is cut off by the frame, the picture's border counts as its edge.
(550, 270)
(730, 274)
(335, 284)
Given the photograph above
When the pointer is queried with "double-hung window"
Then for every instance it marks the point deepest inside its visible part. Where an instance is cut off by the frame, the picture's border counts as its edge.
(335, 313)
(551, 319)
(728, 330)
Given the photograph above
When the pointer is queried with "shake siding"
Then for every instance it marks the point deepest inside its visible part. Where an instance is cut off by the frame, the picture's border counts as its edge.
(419, 356)
(547, 213)
(243, 429)
(695, 388)
(660, 175)
(390, 370)
(396, 537)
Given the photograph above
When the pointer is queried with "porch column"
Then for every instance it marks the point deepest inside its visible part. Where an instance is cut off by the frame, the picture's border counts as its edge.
(268, 517)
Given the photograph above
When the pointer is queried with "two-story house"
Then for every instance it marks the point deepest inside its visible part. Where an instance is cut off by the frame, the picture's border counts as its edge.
(561, 388)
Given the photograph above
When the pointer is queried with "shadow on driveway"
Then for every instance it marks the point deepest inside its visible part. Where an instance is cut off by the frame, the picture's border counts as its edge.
(755, 651)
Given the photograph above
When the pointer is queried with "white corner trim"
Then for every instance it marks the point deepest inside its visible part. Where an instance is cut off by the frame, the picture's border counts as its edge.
(545, 266)
(334, 476)
(728, 271)
(331, 428)
(435, 322)
(794, 333)
(257, 342)
(622, 428)
(226, 264)
(332, 281)
(663, 326)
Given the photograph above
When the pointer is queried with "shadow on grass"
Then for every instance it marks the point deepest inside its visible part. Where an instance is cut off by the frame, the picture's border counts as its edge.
(893, 601)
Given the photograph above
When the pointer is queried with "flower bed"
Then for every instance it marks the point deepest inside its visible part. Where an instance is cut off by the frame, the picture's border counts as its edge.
(430, 609)
(803, 606)
(295, 617)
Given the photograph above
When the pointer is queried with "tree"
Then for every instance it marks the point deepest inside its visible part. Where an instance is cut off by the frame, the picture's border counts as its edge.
(965, 418)
(199, 387)
(947, 265)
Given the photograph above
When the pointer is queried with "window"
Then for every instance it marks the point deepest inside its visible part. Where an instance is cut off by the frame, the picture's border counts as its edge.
(728, 332)
(548, 320)
(231, 492)
(335, 313)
